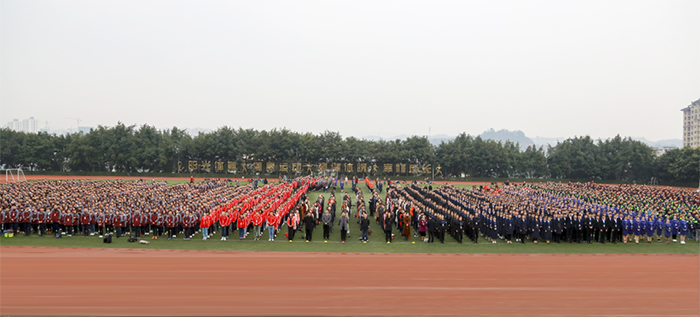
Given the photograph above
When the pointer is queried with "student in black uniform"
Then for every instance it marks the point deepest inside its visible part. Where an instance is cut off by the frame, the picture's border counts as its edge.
(364, 227)
(548, 229)
(309, 223)
(388, 223)
(431, 228)
(509, 229)
(600, 228)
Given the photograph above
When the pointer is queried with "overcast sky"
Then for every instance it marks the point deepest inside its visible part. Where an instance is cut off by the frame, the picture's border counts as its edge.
(548, 68)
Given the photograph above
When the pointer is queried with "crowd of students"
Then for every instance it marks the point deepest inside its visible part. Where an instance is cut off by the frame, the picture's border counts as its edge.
(553, 212)
(544, 212)
(142, 208)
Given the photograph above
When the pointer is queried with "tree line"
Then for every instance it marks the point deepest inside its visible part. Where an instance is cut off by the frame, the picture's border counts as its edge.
(133, 149)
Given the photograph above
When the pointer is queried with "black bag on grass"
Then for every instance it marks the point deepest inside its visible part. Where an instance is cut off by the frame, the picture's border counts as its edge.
(132, 239)
(107, 239)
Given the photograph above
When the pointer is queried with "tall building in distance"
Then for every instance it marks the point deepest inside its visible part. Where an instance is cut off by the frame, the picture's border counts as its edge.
(30, 125)
(14, 125)
(691, 124)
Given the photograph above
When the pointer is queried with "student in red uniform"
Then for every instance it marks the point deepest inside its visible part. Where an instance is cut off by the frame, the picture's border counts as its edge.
(170, 223)
(93, 222)
(41, 220)
(100, 222)
(241, 225)
(271, 225)
(34, 220)
(67, 222)
(225, 222)
(188, 224)
(25, 220)
(155, 224)
(56, 222)
(204, 224)
(14, 219)
(85, 222)
(257, 224)
(109, 222)
(117, 223)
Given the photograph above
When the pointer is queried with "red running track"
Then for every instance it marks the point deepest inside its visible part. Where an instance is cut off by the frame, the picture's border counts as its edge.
(82, 281)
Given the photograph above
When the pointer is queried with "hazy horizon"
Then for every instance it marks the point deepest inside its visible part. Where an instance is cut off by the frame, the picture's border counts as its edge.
(361, 68)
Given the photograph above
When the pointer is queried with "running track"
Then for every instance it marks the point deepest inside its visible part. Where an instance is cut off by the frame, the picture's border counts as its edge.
(82, 281)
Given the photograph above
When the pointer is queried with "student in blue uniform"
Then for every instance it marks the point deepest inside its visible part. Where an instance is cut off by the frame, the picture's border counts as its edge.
(659, 225)
(675, 226)
(650, 229)
(668, 228)
(626, 226)
(637, 226)
(683, 229)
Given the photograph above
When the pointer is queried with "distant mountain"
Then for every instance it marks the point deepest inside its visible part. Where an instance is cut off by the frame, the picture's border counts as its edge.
(507, 135)
(670, 142)
(661, 143)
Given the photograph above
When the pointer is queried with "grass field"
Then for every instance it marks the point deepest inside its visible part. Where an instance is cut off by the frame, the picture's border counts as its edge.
(375, 245)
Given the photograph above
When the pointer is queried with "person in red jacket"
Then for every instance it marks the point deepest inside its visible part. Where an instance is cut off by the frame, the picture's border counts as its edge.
(257, 224)
(93, 222)
(159, 222)
(67, 222)
(75, 221)
(241, 224)
(292, 223)
(34, 220)
(56, 222)
(225, 223)
(13, 219)
(204, 224)
(171, 223)
(152, 218)
(109, 222)
(100, 223)
(136, 224)
(85, 222)
(25, 220)
(271, 225)
(41, 221)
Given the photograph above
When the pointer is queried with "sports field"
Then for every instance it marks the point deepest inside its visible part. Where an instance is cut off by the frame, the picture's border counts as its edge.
(83, 276)
(375, 244)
